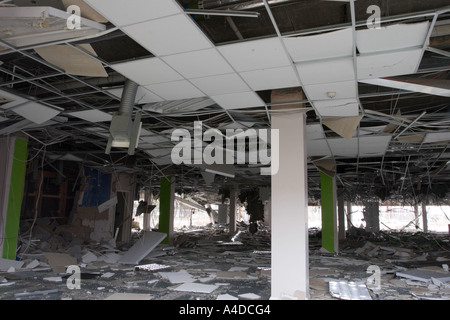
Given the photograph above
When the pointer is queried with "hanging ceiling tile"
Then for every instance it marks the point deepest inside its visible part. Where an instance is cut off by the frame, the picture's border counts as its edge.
(393, 37)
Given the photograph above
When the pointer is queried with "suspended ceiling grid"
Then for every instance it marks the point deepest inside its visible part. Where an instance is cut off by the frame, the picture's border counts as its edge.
(186, 72)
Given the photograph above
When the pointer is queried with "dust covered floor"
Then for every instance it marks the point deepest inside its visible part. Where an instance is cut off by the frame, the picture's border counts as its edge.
(208, 264)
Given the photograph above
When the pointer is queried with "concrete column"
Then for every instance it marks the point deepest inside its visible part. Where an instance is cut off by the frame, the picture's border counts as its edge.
(148, 196)
(12, 178)
(166, 208)
(289, 236)
(232, 224)
(341, 216)
(223, 213)
(349, 214)
(330, 241)
(372, 216)
(416, 216)
(424, 217)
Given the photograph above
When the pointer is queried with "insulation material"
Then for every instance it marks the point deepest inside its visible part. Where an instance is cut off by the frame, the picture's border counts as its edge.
(328, 166)
(412, 138)
(349, 290)
(85, 10)
(36, 112)
(142, 247)
(73, 61)
(345, 127)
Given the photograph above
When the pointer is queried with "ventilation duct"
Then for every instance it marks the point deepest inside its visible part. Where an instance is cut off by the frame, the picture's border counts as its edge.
(124, 133)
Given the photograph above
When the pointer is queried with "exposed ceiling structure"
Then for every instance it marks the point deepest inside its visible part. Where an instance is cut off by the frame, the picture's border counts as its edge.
(377, 97)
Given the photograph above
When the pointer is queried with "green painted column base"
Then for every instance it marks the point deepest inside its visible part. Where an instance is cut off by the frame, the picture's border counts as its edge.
(328, 204)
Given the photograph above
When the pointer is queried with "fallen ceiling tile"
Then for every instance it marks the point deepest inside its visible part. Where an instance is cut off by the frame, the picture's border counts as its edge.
(36, 112)
(196, 287)
(142, 247)
(129, 296)
(73, 61)
(181, 276)
(345, 126)
(92, 115)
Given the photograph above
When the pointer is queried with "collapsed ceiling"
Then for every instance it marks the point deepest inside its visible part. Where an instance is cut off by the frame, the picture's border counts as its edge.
(376, 96)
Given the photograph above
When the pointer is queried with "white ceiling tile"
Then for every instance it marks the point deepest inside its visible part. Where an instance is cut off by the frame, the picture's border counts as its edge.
(122, 13)
(274, 78)
(344, 147)
(142, 95)
(343, 90)
(392, 37)
(255, 55)
(36, 112)
(437, 137)
(238, 100)
(337, 107)
(92, 115)
(373, 146)
(426, 88)
(316, 148)
(388, 64)
(221, 84)
(169, 35)
(315, 131)
(175, 90)
(334, 70)
(322, 46)
(147, 71)
(198, 64)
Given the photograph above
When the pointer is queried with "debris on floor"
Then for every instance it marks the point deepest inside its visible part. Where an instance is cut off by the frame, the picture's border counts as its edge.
(206, 264)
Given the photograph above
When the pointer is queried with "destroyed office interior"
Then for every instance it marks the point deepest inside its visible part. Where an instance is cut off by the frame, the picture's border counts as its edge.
(176, 149)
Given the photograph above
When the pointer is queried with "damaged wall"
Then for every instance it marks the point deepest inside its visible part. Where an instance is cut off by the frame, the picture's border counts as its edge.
(94, 213)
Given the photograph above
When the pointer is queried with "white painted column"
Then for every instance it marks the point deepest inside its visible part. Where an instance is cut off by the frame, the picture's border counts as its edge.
(290, 259)
(232, 223)
(424, 217)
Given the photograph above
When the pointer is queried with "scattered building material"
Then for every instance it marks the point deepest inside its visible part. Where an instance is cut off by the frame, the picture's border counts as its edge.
(129, 296)
(349, 290)
(196, 287)
(142, 247)
(59, 261)
(6, 264)
(424, 275)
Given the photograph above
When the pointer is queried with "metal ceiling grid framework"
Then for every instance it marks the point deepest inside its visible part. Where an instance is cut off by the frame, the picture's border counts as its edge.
(218, 61)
